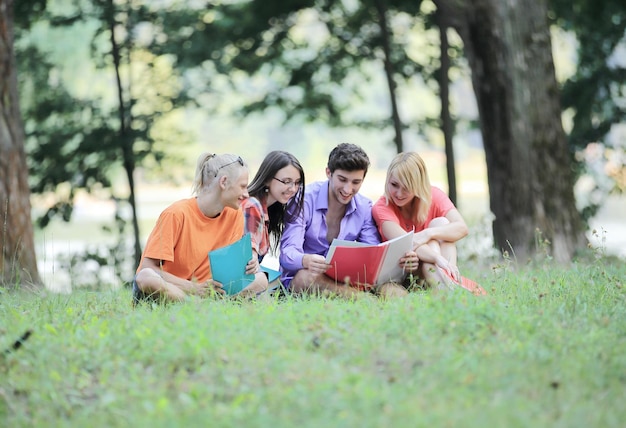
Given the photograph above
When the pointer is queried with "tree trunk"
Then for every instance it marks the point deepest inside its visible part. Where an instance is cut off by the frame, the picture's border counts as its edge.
(447, 124)
(126, 139)
(395, 114)
(18, 265)
(529, 170)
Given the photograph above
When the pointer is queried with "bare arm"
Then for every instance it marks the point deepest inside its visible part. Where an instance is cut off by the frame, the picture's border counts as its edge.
(392, 230)
(452, 231)
(187, 287)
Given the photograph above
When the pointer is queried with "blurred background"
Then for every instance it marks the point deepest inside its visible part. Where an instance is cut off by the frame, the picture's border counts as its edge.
(119, 98)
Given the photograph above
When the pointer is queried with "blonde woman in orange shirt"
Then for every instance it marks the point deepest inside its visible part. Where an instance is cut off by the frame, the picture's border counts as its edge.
(175, 260)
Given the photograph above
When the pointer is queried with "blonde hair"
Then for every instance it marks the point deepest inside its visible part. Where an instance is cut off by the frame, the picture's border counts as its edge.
(210, 165)
(410, 170)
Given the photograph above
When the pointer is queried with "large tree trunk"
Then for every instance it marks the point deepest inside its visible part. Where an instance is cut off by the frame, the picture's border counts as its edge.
(531, 182)
(18, 265)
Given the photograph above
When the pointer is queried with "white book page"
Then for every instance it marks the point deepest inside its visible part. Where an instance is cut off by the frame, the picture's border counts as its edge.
(396, 248)
(342, 243)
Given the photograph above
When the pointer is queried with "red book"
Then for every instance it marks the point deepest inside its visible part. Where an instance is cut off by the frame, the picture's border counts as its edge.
(368, 264)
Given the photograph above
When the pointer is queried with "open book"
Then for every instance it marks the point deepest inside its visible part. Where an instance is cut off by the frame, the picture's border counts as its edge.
(369, 264)
(228, 265)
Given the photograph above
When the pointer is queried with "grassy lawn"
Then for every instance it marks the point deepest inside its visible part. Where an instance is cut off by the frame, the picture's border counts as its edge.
(546, 348)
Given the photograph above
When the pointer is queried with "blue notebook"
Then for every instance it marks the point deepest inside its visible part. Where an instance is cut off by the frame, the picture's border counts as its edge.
(272, 275)
(228, 265)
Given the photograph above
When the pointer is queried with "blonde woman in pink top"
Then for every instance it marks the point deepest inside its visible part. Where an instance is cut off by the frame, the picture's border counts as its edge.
(411, 203)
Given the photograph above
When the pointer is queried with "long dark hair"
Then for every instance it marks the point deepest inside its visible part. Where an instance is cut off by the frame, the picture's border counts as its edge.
(273, 162)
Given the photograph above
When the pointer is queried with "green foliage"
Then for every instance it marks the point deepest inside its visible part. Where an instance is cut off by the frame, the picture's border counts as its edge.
(596, 92)
(543, 349)
(26, 12)
(64, 141)
(80, 141)
(597, 86)
(316, 55)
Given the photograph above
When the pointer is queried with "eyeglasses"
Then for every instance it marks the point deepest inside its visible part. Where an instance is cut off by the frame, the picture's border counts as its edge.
(230, 163)
(289, 183)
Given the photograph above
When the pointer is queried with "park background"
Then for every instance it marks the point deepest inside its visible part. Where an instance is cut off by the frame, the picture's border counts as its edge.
(544, 348)
(216, 127)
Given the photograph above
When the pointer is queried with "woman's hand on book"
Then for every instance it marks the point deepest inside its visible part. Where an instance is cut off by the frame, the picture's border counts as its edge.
(410, 262)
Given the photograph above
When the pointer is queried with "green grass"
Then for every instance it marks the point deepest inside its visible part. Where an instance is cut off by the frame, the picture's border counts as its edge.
(547, 348)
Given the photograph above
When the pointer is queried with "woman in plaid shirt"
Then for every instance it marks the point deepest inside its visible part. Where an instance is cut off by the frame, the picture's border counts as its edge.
(278, 184)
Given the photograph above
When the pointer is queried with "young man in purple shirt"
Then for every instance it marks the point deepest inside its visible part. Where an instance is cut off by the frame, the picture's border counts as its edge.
(332, 209)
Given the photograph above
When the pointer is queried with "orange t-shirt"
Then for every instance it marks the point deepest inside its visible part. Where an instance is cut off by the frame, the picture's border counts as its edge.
(183, 237)
(382, 212)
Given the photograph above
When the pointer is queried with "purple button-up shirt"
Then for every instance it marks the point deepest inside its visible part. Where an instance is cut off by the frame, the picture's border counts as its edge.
(307, 233)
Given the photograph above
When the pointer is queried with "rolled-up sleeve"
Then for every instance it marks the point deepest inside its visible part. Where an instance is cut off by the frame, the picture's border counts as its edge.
(292, 241)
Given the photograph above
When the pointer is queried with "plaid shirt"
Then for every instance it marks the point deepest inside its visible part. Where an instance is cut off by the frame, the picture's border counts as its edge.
(256, 221)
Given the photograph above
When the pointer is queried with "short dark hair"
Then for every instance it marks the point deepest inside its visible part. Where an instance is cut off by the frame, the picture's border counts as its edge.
(348, 157)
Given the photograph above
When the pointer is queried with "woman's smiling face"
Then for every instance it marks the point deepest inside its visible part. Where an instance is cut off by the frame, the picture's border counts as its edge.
(400, 195)
(285, 183)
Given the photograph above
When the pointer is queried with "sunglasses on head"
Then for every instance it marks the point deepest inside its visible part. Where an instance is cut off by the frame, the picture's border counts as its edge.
(230, 163)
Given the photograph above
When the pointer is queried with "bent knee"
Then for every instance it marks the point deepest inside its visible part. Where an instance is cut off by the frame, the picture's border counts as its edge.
(438, 221)
(305, 280)
(144, 276)
(261, 279)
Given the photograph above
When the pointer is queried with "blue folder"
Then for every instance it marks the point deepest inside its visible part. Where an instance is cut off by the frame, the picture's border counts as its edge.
(228, 265)
(272, 275)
